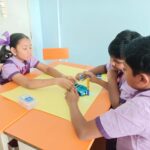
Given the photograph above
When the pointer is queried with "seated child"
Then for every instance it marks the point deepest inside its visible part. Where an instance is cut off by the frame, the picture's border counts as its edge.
(18, 59)
(114, 69)
(129, 122)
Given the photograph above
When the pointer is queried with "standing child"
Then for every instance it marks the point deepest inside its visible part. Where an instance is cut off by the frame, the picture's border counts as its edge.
(18, 59)
(114, 69)
(129, 122)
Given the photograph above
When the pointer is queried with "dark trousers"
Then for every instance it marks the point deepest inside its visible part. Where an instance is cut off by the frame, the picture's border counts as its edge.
(111, 144)
(103, 144)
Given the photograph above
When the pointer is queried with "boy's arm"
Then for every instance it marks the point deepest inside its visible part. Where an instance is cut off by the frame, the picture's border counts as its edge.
(94, 79)
(113, 89)
(126, 120)
(99, 69)
(84, 129)
(102, 83)
(96, 70)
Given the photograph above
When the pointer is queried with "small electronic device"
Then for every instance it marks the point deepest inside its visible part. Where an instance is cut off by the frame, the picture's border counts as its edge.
(27, 101)
(81, 89)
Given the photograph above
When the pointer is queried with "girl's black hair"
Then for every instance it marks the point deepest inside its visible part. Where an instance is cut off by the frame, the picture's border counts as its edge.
(137, 55)
(14, 39)
(121, 40)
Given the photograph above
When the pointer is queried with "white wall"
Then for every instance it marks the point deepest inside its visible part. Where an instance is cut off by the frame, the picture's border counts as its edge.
(36, 28)
(87, 27)
(18, 18)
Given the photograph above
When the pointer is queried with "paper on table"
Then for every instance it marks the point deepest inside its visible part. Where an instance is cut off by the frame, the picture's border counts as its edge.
(51, 99)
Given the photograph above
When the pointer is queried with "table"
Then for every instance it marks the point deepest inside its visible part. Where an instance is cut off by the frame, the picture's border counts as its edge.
(9, 111)
(42, 130)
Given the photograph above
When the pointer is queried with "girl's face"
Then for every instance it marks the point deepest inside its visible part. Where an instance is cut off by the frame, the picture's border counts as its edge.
(117, 64)
(23, 50)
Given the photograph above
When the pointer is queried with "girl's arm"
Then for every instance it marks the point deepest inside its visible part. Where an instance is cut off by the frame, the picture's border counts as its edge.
(53, 72)
(99, 69)
(49, 70)
(39, 83)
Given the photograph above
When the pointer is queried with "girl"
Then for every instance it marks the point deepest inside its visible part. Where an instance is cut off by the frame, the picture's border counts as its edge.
(18, 60)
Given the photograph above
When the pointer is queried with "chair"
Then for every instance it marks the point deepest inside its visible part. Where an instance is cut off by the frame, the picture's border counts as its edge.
(55, 53)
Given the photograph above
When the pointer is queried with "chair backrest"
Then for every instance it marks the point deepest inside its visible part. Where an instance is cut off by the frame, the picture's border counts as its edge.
(55, 53)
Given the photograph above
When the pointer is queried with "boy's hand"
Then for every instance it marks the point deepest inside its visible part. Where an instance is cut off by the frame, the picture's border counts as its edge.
(64, 83)
(72, 96)
(91, 75)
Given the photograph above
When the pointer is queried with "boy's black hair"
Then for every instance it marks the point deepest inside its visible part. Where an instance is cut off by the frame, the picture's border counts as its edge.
(14, 39)
(117, 45)
(137, 55)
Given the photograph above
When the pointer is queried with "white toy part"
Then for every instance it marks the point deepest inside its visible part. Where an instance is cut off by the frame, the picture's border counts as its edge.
(27, 101)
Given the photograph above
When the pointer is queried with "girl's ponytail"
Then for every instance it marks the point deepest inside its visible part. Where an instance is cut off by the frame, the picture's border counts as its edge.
(4, 52)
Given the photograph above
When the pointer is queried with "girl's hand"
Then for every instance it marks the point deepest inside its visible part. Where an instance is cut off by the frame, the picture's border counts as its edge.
(72, 79)
(64, 83)
(72, 96)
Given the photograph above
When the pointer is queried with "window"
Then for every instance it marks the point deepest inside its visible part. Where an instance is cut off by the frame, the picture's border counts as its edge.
(3, 8)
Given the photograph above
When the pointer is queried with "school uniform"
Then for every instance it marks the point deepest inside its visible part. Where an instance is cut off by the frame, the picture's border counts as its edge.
(14, 65)
(120, 76)
(111, 143)
(130, 122)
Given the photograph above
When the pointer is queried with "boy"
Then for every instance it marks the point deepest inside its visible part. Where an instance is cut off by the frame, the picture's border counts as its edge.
(114, 69)
(129, 123)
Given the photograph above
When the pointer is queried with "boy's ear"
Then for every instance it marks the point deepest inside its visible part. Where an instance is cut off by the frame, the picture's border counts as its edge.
(13, 50)
(144, 79)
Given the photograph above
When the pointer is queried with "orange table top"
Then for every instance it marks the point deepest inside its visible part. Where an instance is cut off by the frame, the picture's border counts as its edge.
(45, 131)
(9, 112)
